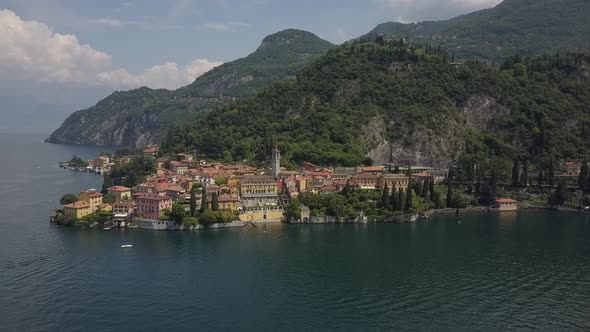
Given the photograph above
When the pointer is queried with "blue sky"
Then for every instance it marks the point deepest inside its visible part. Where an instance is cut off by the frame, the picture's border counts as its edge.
(99, 46)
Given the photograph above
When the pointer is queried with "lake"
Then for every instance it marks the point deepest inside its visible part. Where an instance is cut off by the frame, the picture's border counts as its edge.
(479, 272)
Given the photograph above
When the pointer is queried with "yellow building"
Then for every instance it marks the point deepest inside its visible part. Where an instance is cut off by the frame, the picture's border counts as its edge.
(77, 210)
(262, 215)
(397, 181)
(93, 198)
(229, 203)
(259, 191)
(121, 193)
(105, 207)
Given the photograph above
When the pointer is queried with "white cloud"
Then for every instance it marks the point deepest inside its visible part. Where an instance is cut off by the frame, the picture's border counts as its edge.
(216, 26)
(111, 22)
(230, 26)
(32, 51)
(168, 75)
(418, 10)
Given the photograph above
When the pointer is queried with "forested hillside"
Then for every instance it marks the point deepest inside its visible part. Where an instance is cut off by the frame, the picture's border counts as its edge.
(391, 102)
(523, 27)
(139, 117)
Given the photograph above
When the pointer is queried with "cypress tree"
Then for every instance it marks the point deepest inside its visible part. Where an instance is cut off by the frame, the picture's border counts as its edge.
(516, 173)
(425, 189)
(583, 176)
(524, 177)
(551, 175)
(385, 197)
(107, 182)
(540, 178)
(393, 199)
(193, 202)
(400, 200)
(204, 199)
(431, 189)
(214, 202)
(449, 196)
(409, 199)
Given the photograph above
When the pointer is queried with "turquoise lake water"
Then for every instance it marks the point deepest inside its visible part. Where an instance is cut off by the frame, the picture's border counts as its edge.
(513, 271)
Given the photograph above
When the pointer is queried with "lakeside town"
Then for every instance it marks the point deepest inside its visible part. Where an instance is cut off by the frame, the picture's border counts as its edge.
(184, 192)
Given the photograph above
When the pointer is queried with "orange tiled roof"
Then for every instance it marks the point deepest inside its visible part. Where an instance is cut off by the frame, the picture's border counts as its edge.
(505, 200)
(119, 188)
(77, 205)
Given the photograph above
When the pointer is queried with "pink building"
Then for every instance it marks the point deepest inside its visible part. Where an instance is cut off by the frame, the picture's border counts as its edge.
(151, 206)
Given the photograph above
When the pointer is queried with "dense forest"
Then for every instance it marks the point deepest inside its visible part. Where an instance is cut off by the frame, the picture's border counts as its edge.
(541, 112)
(525, 27)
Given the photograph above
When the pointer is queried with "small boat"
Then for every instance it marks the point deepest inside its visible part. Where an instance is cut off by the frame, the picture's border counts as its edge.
(107, 229)
(127, 246)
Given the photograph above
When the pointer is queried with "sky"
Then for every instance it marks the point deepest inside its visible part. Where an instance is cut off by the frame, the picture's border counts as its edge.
(61, 55)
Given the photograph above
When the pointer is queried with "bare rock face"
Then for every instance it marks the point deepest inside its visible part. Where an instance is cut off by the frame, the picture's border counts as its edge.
(422, 146)
(438, 142)
(480, 113)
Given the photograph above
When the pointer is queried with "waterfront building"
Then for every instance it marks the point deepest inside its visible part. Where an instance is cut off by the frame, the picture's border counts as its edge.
(123, 207)
(92, 197)
(120, 192)
(396, 181)
(152, 206)
(259, 191)
(229, 202)
(506, 204)
(77, 210)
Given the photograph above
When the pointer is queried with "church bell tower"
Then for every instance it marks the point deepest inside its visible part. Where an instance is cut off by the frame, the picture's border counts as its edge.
(276, 161)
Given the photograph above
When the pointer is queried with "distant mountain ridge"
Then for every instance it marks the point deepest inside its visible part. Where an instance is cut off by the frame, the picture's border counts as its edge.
(524, 27)
(139, 117)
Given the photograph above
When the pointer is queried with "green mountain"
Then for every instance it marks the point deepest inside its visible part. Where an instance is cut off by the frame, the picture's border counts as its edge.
(390, 102)
(139, 117)
(524, 27)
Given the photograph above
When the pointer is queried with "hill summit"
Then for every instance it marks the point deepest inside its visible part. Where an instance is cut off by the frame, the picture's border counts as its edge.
(139, 117)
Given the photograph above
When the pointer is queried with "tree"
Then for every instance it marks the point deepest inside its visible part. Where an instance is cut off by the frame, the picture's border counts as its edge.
(437, 200)
(515, 173)
(204, 202)
(560, 195)
(109, 198)
(385, 198)
(393, 200)
(583, 176)
(293, 209)
(178, 213)
(431, 190)
(425, 189)
(409, 199)
(401, 198)
(214, 202)
(586, 200)
(68, 199)
(396, 170)
(193, 201)
(449, 195)
(107, 182)
(540, 178)
(208, 218)
(524, 177)
(551, 175)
